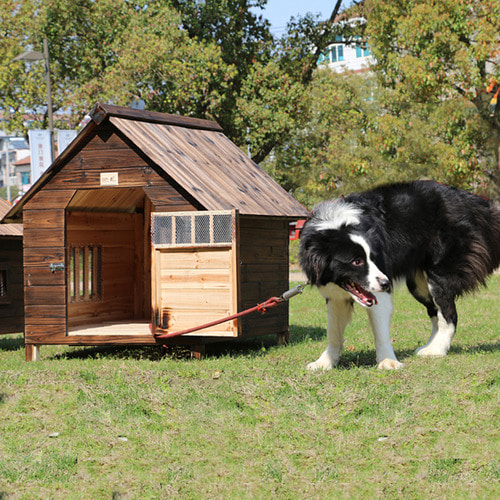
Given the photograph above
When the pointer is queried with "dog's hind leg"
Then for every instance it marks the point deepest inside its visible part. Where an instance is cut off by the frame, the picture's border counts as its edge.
(444, 319)
(380, 320)
(339, 312)
(419, 288)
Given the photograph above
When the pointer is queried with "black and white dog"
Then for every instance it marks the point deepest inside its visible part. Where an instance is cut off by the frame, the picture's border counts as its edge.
(442, 240)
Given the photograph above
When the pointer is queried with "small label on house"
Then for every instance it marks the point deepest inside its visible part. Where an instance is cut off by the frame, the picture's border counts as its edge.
(109, 178)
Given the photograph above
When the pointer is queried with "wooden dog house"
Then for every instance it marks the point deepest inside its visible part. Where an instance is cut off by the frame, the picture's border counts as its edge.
(152, 223)
(11, 274)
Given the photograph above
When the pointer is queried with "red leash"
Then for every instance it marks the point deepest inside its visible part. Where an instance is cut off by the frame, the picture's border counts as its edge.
(262, 308)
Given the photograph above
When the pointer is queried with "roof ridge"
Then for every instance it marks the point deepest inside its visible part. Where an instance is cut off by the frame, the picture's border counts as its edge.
(102, 111)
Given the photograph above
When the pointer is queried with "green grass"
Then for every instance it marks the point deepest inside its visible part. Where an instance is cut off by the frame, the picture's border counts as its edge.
(249, 421)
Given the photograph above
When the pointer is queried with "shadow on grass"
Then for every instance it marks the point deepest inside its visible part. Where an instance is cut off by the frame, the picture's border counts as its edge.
(252, 347)
(11, 343)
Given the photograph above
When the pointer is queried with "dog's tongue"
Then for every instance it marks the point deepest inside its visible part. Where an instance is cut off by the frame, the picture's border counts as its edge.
(365, 298)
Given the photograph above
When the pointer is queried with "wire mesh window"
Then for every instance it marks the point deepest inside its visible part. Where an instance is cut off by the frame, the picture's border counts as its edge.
(84, 273)
(192, 229)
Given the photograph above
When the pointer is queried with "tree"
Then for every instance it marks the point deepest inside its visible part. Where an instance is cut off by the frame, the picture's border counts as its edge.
(211, 59)
(263, 102)
(440, 57)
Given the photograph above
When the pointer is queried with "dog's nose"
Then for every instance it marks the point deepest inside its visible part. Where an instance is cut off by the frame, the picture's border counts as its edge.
(384, 283)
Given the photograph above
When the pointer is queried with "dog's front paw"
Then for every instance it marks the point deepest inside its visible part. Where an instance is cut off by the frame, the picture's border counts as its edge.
(431, 351)
(326, 361)
(319, 365)
(390, 364)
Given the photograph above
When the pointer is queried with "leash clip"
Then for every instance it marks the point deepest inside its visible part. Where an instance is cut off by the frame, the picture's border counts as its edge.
(293, 291)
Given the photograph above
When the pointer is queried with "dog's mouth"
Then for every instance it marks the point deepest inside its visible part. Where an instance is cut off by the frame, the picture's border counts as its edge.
(362, 296)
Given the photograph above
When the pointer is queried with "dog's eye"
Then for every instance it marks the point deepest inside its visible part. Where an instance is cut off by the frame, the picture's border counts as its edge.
(358, 262)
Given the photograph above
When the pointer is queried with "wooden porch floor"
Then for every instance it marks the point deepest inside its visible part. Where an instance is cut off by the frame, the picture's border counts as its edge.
(138, 328)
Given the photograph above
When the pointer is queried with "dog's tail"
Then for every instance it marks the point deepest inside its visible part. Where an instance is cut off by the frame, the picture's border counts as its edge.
(484, 249)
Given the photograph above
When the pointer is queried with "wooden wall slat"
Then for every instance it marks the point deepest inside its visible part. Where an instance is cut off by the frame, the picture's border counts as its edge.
(42, 315)
(195, 259)
(43, 219)
(195, 278)
(104, 221)
(44, 237)
(46, 200)
(52, 332)
(194, 300)
(99, 159)
(166, 199)
(85, 179)
(45, 295)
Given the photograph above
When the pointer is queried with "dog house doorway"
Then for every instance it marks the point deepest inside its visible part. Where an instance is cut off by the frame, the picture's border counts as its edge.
(108, 278)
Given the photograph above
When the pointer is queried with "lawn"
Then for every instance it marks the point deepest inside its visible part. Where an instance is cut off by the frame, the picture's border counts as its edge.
(248, 421)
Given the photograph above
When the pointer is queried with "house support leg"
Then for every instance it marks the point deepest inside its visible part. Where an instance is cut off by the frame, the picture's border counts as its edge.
(32, 352)
(283, 337)
(197, 351)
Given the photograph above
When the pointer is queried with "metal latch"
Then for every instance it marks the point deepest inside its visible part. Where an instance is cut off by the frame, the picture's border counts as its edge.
(56, 266)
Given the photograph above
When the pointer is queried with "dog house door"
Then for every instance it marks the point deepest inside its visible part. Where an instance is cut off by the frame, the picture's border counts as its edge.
(194, 271)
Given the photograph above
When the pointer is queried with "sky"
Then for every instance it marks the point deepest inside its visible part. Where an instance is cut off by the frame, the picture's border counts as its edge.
(279, 12)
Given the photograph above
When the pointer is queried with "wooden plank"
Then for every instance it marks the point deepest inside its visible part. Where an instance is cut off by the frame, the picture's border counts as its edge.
(43, 333)
(146, 263)
(38, 275)
(91, 179)
(94, 340)
(11, 324)
(259, 272)
(111, 329)
(109, 158)
(85, 221)
(166, 199)
(195, 278)
(47, 199)
(43, 219)
(269, 324)
(43, 315)
(107, 200)
(253, 293)
(196, 299)
(176, 320)
(83, 313)
(36, 257)
(137, 267)
(116, 238)
(263, 223)
(264, 254)
(195, 259)
(36, 269)
(45, 295)
(44, 237)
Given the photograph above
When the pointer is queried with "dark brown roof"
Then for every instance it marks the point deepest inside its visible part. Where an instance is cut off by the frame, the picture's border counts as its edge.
(8, 229)
(196, 155)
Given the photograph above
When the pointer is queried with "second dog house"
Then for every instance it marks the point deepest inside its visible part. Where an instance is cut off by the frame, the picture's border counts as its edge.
(152, 223)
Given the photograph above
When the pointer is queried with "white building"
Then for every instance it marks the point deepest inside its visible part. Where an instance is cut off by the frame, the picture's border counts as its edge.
(341, 56)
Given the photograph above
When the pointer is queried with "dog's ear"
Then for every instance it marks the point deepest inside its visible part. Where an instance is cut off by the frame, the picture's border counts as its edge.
(314, 255)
